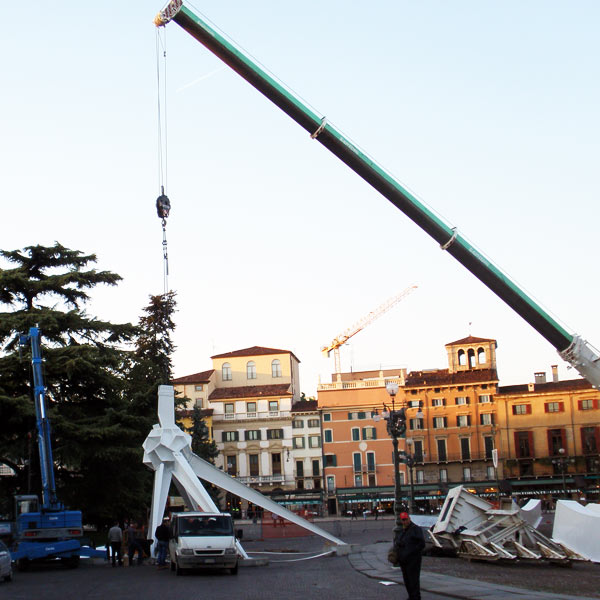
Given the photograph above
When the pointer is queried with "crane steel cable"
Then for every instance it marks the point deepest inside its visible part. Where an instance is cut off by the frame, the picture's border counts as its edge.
(163, 204)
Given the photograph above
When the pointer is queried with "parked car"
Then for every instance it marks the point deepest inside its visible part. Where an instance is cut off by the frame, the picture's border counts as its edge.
(5, 563)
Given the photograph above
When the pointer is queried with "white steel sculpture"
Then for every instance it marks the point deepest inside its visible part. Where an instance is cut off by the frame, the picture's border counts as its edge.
(476, 530)
(168, 453)
(578, 527)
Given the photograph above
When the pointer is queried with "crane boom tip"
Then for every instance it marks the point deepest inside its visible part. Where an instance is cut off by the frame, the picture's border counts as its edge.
(165, 15)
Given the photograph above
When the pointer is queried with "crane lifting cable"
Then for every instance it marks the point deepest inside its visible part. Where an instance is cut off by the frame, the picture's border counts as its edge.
(163, 208)
(163, 204)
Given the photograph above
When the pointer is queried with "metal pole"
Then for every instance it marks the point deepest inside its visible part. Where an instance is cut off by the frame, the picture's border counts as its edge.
(411, 463)
(497, 486)
(397, 486)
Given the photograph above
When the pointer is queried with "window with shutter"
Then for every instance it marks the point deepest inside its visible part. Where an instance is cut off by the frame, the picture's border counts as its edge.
(590, 440)
(530, 442)
(368, 433)
(465, 448)
(588, 404)
(523, 444)
(441, 448)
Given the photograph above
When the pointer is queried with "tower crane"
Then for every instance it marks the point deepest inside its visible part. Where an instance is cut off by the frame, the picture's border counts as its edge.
(340, 340)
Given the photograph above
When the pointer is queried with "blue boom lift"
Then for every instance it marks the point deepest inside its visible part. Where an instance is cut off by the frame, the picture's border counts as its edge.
(48, 531)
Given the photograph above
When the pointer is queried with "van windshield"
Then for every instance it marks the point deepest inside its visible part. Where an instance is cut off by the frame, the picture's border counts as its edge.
(205, 526)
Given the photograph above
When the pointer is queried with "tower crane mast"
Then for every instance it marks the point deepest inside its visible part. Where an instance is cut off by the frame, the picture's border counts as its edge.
(340, 340)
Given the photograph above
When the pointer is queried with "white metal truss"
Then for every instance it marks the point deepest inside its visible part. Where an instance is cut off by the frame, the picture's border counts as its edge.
(476, 530)
(168, 453)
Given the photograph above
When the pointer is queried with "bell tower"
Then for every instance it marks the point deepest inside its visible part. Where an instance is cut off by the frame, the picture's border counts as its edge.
(471, 353)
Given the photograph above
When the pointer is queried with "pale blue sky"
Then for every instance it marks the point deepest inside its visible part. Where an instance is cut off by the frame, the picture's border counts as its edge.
(488, 111)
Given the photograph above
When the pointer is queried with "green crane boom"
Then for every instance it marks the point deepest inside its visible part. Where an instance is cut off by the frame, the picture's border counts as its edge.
(571, 347)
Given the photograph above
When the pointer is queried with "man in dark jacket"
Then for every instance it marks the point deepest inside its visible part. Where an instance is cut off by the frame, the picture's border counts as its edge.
(162, 540)
(409, 543)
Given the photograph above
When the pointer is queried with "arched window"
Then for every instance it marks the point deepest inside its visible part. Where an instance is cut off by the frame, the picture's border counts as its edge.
(251, 369)
(471, 355)
(462, 358)
(226, 372)
(276, 368)
(481, 356)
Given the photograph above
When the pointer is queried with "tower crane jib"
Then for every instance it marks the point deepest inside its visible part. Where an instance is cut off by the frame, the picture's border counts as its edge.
(341, 339)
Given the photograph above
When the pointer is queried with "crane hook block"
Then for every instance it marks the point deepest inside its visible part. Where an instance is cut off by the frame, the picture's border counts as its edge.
(163, 206)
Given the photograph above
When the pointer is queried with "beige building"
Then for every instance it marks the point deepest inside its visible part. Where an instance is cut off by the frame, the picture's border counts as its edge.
(251, 393)
(549, 437)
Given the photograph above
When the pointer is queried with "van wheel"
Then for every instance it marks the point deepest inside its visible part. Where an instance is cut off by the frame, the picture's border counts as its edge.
(71, 562)
(234, 570)
(23, 564)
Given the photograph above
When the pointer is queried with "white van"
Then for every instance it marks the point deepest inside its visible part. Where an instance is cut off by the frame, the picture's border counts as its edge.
(202, 540)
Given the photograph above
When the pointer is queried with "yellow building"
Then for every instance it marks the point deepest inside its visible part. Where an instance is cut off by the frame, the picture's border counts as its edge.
(196, 388)
(550, 437)
(250, 393)
(546, 434)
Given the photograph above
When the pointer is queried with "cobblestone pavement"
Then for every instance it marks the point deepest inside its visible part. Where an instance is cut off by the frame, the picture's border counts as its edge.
(582, 579)
(453, 576)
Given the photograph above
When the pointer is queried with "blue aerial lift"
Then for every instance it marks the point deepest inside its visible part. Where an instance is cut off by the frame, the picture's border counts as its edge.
(46, 531)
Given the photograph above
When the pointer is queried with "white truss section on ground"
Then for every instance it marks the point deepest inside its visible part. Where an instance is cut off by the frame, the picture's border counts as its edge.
(532, 512)
(477, 530)
(168, 453)
(578, 527)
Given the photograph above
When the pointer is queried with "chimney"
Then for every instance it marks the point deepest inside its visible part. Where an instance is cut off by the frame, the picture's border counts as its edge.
(540, 377)
(554, 373)
(531, 387)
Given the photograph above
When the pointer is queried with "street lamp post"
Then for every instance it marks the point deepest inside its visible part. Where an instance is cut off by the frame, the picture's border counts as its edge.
(562, 462)
(396, 428)
(495, 463)
(410, 460)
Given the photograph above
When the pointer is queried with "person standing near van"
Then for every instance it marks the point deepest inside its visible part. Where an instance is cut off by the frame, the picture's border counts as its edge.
(115, 540)
(409, 544)
(162, 539)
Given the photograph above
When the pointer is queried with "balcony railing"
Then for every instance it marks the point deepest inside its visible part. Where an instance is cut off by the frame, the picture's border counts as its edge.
(252, 416)
(364, 468)
(268, 479)
(353, 385)
(453, 457)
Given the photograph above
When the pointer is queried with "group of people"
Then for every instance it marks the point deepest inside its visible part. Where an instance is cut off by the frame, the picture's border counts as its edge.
(409, 543)
(365, 513)
(134, 539)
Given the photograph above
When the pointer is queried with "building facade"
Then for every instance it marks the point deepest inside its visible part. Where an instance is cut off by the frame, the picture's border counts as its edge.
(550, 438)
(251, 393)
(545, 435)
(334, 455)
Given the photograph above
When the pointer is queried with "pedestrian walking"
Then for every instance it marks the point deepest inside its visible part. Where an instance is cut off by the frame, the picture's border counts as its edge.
(162, 540)
(133, 544)
(409, 543)
(115, 541)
